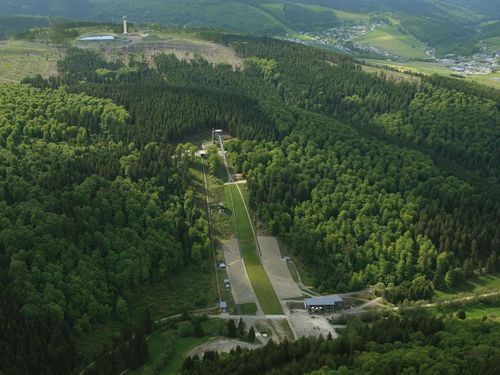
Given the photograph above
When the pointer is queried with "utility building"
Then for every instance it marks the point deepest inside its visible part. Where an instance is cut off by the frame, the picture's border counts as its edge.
(324, 304)
(223, 306)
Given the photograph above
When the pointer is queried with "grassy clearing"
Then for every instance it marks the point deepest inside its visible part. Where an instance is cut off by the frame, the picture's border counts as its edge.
(259, 227)
(183, 345)
(183, 44)
(344, 16)
(479, 284)
(305, 276)
(480, 307)
(475, 311)
(350, 17)
(248, 308)
(258, 277)
(19, 59)
(391, 39)
(390, 74)
(492, 44)
(492, 80)
(416, 67)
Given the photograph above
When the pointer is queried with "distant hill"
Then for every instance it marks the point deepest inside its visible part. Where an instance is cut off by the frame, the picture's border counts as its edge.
(447, 25)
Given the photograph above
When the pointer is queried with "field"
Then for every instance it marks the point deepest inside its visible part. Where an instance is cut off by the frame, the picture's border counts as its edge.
(486, 307)
(344, 16)
(350, 17)
(21, 58)
(397, 76)
(479, 284)
(258, 277)
(492, 80)
(183, 345)
(492, 44)
(476, 311)
(394, 41)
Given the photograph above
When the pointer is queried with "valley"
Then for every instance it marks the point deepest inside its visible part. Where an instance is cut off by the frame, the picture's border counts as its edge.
(317, 197)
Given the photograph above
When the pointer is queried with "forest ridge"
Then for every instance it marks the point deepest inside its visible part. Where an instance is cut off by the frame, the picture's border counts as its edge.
(371, 181)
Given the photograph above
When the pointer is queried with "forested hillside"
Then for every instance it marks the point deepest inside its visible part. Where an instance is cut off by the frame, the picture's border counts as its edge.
(86, 218)
(370, 180)
(12, 25)
(413, 342)
(450, 26)
(414, 201)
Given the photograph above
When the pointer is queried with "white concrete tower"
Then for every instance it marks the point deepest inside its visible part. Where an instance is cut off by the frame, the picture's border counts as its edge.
(125, 31)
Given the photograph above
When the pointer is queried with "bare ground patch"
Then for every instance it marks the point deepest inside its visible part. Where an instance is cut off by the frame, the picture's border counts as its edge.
(19, 59)
(221, 345)
(185, 49)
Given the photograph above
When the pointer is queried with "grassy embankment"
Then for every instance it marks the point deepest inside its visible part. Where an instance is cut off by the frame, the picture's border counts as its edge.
(156, 346)
(474, 286)
(258, 277)
(477, 296)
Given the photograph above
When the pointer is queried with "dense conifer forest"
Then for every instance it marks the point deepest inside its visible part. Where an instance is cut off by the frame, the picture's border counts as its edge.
(370, 180)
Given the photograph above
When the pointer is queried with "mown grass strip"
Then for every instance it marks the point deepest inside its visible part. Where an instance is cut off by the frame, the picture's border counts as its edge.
(256, 273)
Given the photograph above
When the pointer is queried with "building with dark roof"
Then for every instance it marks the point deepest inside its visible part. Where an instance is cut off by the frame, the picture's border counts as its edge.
(324, 304)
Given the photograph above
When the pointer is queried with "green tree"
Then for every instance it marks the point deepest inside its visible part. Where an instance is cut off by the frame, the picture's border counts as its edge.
(251, 334)
(231, 328)
(453, 277)
(241, 327)
(185, 329)
(198, 330)
(121, 309)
